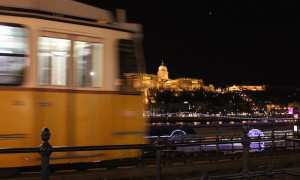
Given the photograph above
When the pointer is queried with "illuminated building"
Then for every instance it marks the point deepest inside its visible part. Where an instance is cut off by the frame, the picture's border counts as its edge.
(246, 87)
(161, 81)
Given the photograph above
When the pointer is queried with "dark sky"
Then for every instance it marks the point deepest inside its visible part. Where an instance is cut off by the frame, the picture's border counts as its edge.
(223, 42)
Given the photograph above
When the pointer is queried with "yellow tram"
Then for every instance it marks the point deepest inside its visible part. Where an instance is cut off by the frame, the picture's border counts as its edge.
(62, 66)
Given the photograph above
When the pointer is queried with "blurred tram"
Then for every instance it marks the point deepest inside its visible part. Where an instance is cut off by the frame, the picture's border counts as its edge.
(63, 66)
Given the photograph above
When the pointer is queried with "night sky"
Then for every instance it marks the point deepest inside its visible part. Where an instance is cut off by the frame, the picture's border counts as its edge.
(223, 42)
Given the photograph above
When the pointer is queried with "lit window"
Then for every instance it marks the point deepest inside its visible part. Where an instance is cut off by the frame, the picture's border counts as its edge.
(53, 60)
(13, 52)
(88, 64)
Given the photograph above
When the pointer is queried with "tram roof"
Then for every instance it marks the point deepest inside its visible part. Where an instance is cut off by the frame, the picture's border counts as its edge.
(65, 7)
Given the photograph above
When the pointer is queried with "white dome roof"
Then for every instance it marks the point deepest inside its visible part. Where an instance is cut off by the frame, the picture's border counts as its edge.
(162, 67)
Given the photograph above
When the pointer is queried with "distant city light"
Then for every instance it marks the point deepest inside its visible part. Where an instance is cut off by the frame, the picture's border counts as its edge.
(290, 110)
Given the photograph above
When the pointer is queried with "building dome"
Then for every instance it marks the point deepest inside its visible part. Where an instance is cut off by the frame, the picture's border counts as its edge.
(162, 67)
(162, 72)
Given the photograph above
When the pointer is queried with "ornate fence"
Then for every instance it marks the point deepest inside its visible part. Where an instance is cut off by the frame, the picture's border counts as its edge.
(45, 150)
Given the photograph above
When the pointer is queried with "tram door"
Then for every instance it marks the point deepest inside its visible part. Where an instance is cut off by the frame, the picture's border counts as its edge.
(54, 99)
(70, 69)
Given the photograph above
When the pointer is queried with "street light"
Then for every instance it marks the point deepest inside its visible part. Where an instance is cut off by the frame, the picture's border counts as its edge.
(296, 121)
(296, 124)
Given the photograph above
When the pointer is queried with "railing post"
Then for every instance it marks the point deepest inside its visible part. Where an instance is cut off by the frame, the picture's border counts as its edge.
(285, 141)
(204, 176)
(217, 138)
(259, 143)
(269, 172)
(45, 151)
(232, 148)
(273, 137)
(158, 143)
(246, 142)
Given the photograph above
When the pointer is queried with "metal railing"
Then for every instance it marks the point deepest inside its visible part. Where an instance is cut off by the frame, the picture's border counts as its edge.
(45, 150)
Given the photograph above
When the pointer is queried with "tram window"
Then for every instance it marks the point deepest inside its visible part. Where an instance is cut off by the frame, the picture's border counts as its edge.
(13, 52)
(88, 64)
(53, 59)
(129, 70)
(128, 61)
